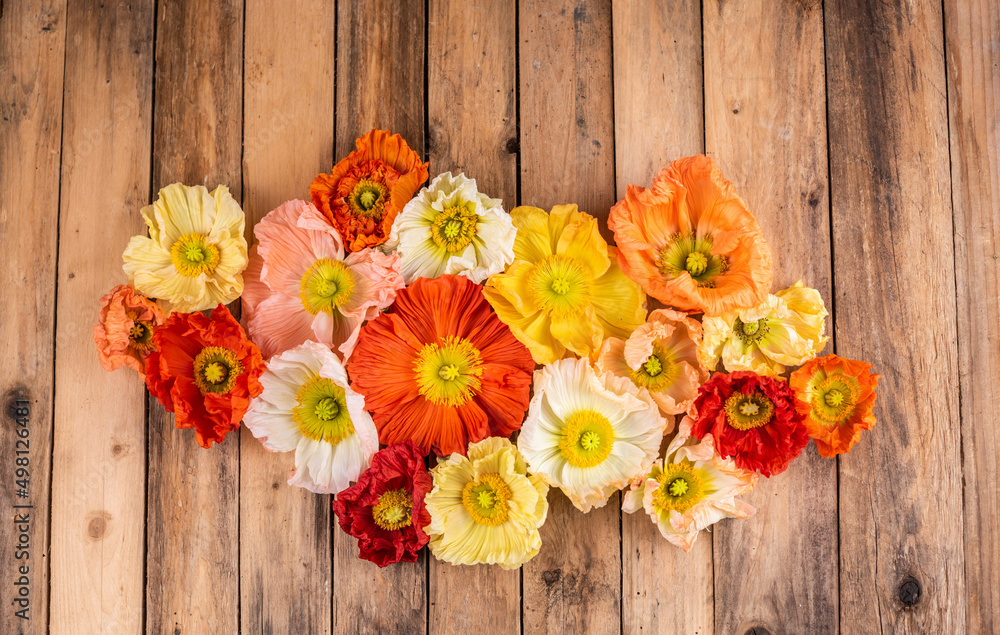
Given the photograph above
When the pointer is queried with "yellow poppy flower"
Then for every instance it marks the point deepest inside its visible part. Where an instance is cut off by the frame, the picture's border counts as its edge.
(485, 509)
(786, 329)
(195, 254)
(564, 291)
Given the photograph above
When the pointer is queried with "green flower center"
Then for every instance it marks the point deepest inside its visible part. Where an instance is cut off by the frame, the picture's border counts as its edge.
(326, 285)
(659, 371)
(193, 255)
(745, 412)
(448, 373)
(834, 398)
(393, 510)
(691, 254)
(487, 500)
(681, 487)
(216, 369)
(140, 336)
(560, 285)
(587, 438)
(320, 411)
(368, 199)
(455, 227)
(750, 332)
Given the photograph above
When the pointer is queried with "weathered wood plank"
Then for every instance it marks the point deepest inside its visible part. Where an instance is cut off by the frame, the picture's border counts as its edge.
(973, 31)
(285, 578)
(380, 83)
(471, 108)
(901, 552)
(658, 118)
(32, 39)
(193, 506)
(765, 112)
(567, 156)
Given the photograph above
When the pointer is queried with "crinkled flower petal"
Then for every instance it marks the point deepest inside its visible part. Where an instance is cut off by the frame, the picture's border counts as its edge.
(307, 406)
(485, 508)
(124, 332)
(564, 293)
(589, 435)
(195, 254)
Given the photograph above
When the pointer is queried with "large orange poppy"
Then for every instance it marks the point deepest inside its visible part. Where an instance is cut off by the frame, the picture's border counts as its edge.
(441, 369)
(690, 241)
(365, 191)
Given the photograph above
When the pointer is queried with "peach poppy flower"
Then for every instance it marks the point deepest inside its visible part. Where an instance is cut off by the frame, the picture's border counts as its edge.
(662, 357)
(836, 395)
(364, 192)
(690, 241)
(300, 287)
(124, 334)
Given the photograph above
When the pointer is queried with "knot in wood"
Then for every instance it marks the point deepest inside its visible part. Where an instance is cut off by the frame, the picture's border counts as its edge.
(909, 592)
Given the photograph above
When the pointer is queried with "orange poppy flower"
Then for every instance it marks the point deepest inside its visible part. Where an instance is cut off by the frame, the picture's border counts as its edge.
(690, 241)
(365, 191)
(124, 334)
(205, 371)
(836, 395)
(441, 369)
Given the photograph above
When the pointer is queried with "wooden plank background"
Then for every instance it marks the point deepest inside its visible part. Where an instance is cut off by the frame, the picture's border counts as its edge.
(865, 134)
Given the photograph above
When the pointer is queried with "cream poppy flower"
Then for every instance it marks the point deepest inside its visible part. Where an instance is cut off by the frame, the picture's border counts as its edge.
(786, 329)
(589, 435)
(307, 406)
(451, 227)
(690, 489)
(486, 509)
(662, 357)
(195, 254)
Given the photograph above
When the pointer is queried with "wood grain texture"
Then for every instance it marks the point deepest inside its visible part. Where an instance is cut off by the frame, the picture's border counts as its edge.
(658, 118)
(765, 111)
(973, 63)
(567, 156)
(286, 579)
(193, 501)
(471, 108)
(380, 83)
(901, 526)
(32, 39)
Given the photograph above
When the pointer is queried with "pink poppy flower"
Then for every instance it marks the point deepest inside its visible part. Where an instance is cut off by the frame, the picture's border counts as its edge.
(300, 287)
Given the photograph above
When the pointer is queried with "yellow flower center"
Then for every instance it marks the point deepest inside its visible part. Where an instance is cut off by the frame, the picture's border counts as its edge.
(587, 438)
(691, 254)
(140, 336)
(216, 369)
(750, 332)
(368, 199)
(487, 500)
(561, 285)
(326, 285)
(834, 398)
(448, 373)
(393, 510)
(681, 487)
(455, 227)
(320, 411)
(745, 412)
(659, 371)
(193, 255)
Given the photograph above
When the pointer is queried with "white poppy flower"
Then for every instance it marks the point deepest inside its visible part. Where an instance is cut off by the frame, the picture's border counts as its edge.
(307, 406)
(450, 227)
(589, 435)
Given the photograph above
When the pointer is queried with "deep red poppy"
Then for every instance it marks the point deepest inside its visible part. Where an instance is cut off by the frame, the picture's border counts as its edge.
(385, 509)
(205, 371)
(753, 420)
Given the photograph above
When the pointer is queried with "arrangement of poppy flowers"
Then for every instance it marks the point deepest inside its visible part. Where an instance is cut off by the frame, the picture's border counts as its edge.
(388, 328)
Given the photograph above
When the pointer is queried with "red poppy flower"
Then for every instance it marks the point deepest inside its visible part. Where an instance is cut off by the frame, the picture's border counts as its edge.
(441, 369)
(753, 420)
(205, 371)
(385, 509)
